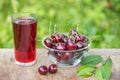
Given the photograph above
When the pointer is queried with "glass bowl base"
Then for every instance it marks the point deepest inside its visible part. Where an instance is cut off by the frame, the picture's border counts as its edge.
(62, 64)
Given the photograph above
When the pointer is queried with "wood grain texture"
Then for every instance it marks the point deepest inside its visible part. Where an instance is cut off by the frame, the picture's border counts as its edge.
(10, 71)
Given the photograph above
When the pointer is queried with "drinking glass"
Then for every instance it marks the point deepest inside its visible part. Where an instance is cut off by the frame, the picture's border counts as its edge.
(24, 31)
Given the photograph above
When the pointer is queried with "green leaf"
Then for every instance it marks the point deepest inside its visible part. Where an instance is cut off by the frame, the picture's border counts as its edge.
(106, 69)
(85, 76)
(98, 74)
(108, 62)
(91, 60)
(84, 66)
(85, 71)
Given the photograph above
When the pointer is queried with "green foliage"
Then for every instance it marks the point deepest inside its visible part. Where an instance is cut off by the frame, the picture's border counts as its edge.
(106, 68)
(91, 60)
(85, 71)
(95, 17)
(98, 74)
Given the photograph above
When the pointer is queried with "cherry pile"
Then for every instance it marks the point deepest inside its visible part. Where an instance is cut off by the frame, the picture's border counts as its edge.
(63, 42)
(66, 50)
(43, 70)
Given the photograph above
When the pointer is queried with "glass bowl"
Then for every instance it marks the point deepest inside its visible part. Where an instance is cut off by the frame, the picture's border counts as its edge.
(67, 58)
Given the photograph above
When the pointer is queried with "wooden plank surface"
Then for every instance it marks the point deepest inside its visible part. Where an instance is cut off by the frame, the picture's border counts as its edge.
(10, 71)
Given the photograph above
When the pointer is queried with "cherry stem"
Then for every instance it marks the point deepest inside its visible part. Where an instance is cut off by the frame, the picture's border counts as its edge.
(55, 30)
(50, 31)
(94, 38)
(77, 25)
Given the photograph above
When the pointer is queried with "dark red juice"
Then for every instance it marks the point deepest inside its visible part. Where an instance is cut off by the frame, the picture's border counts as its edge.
(24, 30)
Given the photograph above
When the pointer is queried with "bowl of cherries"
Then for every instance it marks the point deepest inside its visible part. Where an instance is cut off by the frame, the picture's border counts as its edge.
(66, 50)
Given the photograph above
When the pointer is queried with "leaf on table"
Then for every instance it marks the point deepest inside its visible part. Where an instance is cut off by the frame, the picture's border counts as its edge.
(85, 71)
(108, 61)
(91, 60)
(98, 74)
(106, 69)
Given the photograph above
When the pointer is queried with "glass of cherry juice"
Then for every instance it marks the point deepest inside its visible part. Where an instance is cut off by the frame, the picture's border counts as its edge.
(24, 31)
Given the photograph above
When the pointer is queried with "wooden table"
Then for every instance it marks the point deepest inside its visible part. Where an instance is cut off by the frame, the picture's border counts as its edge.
(10, 71)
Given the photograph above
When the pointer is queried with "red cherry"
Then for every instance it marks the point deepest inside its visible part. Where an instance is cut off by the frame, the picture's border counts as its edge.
(85, 44)
(63, 36)
(56, 37)
(85, 39)
(58, 56)
(70, 40)
(71, 45)
(73, 32)
(80, 45)
(78, 38)
(64, 40)
(67, 55)
(60, 46)
(53, 68)
(48, 42)
(43, 70)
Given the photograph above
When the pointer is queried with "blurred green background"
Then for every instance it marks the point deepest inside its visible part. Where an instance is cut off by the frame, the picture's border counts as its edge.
(99, 18)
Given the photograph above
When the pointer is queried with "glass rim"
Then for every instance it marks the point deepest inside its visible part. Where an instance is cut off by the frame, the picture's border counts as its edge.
(19, 13)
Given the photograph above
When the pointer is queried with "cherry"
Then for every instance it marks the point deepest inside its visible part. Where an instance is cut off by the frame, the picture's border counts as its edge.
(58, 56)
(71, 45)
(73, 32)
(80, 45)
(78, 38)
(53, 68)
(48, 42)
(67, 55)
(60, 46)
(85, 44)
(43, 70)
(70, 40)
(56, 37)
(85, 40)
(64, 38)
(62, 42)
